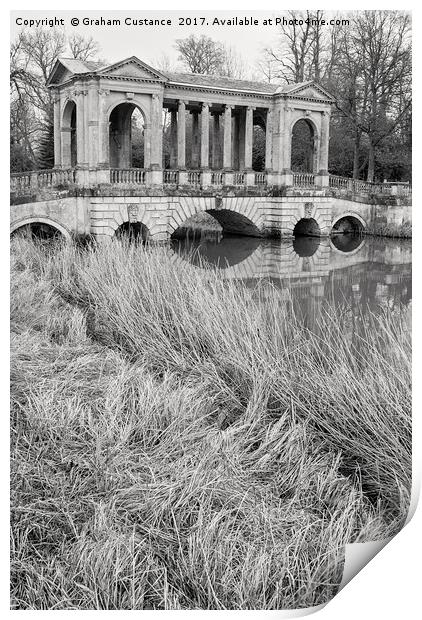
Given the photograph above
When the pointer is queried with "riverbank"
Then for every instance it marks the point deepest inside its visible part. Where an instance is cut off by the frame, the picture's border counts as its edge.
(392, 231)
(182, 442)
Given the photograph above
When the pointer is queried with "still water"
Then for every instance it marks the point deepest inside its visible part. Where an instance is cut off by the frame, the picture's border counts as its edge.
(346, 272)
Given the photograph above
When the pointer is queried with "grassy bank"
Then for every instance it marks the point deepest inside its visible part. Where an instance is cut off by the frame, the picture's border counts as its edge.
(182, 443)
(393, 231)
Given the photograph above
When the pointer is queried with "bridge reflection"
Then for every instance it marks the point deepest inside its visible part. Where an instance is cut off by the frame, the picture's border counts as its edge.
(350, 274)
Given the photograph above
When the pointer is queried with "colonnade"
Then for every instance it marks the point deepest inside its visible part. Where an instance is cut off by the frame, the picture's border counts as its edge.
(222, 136)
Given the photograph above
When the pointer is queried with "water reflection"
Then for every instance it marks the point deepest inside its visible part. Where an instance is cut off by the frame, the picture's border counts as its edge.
(347, 242)
(348, 272)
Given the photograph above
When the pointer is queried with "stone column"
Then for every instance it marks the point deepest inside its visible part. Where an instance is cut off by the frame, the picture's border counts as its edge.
(216, 141)
(81, 151)
(205, 128)
(241, 136)
(227, 138)
(93, 123)
(205, 110)
(103, 133)
(268, 140)
(57, 130)
(195, 140)
(65, 142)
(248, 137)
(235, 142)
(323, 178)
(250, 175)
(181, 135)
(173, 134)
(154, 136)
(286, 143)
(227, 145)
(80, 128)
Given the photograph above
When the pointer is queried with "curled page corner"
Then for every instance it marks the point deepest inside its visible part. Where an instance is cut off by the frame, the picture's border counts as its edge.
(358, 555)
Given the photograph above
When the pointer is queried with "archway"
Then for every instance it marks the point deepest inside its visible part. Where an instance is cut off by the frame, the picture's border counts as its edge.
(69, 139)
(41, 231)
(348, 224)
(133, 231)
(304, 151)
(230, 223)
(127, 137)
(307, 227)
(305, 246)
(258, 143)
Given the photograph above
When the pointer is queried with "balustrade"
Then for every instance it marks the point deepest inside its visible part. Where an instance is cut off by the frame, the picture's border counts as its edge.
(260, 178)
(239, 178)
(39, 179)
(358, 186)
(217, 178)
(303, 179)
(194, 177)
(127, 176)
(170, 177)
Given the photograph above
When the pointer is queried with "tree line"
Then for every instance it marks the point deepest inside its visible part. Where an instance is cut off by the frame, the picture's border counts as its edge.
(366, 66)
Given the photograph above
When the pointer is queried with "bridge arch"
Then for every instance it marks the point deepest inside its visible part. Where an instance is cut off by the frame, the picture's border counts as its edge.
(249, 265)
(69, 154)
(351, 248)
(348, 221)
(304, 145)
(307, 227)
(15, 226)
(134, 231)
(120, 134)
(235, 215)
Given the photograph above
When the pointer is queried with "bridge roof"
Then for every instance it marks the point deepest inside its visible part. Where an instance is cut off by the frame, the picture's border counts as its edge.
(134, 68)
(214, 81)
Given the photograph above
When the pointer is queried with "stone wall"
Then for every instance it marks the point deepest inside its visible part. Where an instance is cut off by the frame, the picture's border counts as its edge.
(162, 215)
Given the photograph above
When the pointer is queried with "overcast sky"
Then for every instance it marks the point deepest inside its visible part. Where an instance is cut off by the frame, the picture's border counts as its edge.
(150, 43)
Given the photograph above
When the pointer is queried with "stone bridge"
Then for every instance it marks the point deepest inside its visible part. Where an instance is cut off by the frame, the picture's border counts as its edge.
(138, 148)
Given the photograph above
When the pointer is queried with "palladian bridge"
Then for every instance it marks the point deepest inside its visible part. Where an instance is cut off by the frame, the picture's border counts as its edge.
(137, 147)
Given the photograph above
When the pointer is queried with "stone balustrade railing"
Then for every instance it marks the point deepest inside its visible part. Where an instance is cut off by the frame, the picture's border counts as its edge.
(170, 177)
(217, 178)
(303, 179)
(30, 182)
(357, 186)
(194, 178)
(128, 176)
(38, 179)
(260, 178)
(239, 178)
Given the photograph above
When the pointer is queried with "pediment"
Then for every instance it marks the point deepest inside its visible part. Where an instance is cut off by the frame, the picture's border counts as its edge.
(132, 68)
(311, 91)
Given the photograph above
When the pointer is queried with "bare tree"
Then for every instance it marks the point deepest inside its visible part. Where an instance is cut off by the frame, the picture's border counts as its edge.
(294, 51)
(201, 54)
(233, 64)
(375, 74)
(33, 55)
(83, 48)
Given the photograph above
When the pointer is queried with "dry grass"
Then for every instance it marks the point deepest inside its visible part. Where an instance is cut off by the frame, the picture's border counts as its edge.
(394, 231)
(181, 442)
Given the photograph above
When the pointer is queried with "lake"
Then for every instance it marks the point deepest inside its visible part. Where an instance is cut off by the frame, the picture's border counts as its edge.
(346, 272)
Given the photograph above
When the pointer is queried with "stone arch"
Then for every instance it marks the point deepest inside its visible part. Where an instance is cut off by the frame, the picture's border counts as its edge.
(307, 226)
(40, 220)
(349, 249)
(353, 218)
(69, 152)
(247, 268)
(259, 137)
(134, 231)
(303, 143)
(119, 143)
(249, 221)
